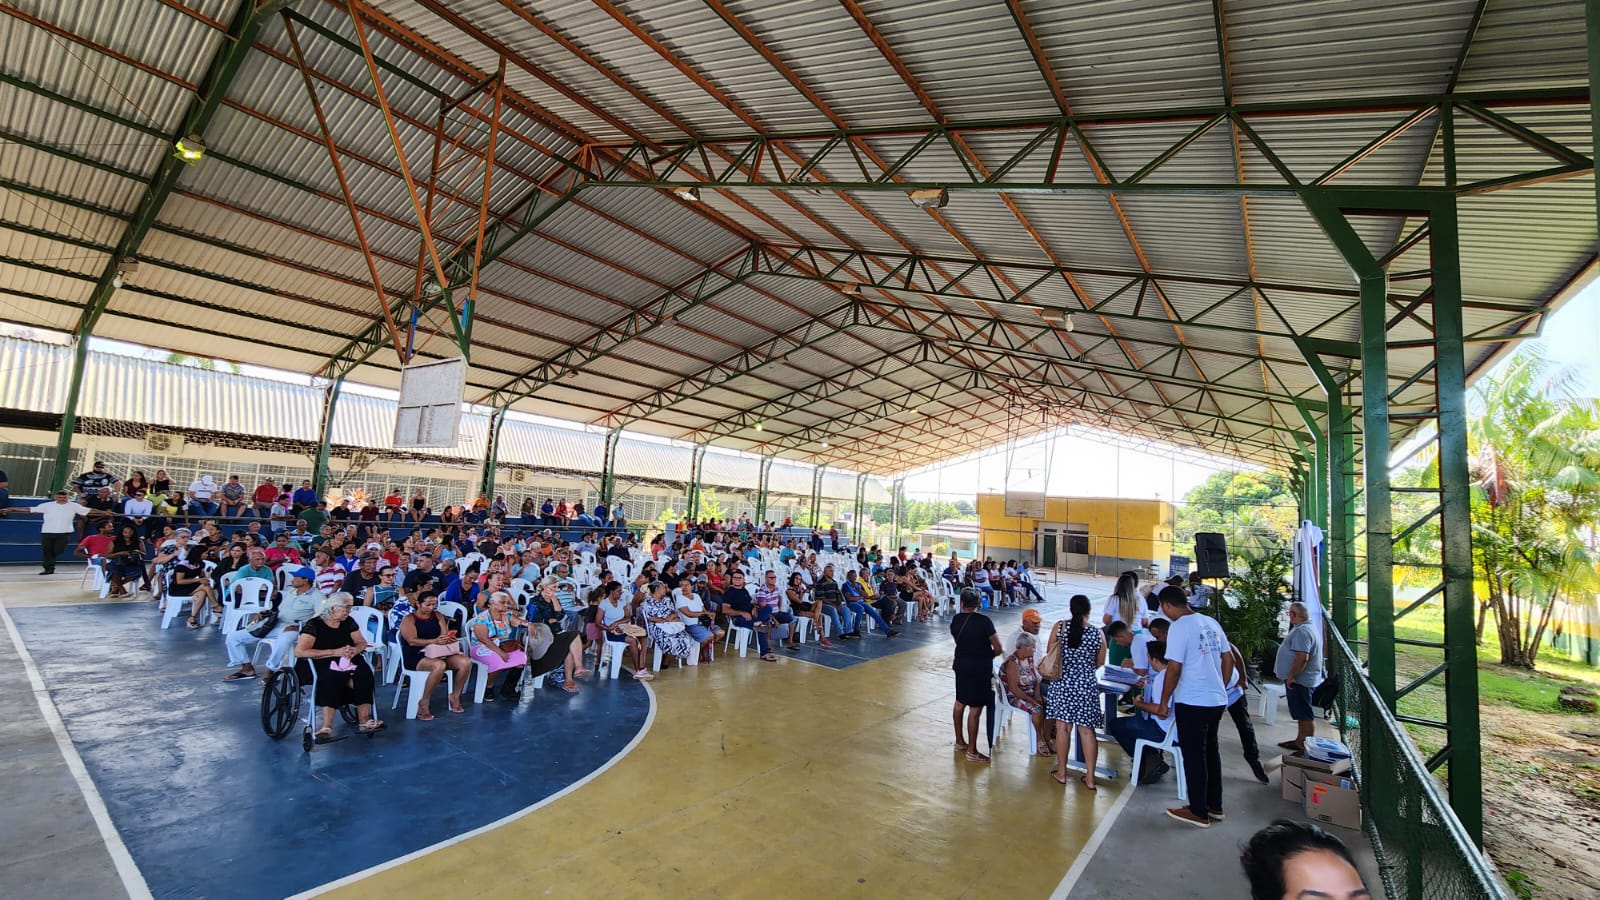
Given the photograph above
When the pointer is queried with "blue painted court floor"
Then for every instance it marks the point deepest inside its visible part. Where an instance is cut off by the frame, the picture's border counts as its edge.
(209, 806)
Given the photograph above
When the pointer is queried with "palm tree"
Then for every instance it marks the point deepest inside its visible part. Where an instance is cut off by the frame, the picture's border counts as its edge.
(1536, 460)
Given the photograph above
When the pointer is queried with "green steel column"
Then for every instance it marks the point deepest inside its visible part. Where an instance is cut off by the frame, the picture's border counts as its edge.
(491, 454)
(861, 497)
(69, 416)
(897, 490)
(330, 402)
(761, 489)
(1380, 511)
(1461, 656)
(816, 495)
(608, 466)
(696, 464)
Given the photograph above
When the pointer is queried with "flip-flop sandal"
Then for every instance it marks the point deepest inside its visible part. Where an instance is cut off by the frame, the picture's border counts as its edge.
(1058, 779)
(569, 687)
(424, 717)
(458, 709)
(1084, 780)
(582, 672)
(193, 625)
(961, 746)
(238, 676)
(322, 736)
(973, 756)
(769, 658)
(372, 727)
(1289, 745)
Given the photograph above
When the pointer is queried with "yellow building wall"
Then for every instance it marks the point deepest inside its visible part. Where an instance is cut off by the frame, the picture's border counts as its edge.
(1121, 528)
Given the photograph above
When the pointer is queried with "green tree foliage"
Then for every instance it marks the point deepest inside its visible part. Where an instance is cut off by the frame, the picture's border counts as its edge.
(1256, 595)
(1535, 451)
(1256, 511)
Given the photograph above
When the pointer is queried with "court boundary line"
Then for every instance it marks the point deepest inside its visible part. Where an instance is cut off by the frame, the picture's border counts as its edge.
(398, 861)
(1081, 864)
(127, 870)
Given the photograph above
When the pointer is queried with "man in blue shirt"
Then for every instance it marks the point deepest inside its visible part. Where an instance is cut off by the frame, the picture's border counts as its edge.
(303, 498)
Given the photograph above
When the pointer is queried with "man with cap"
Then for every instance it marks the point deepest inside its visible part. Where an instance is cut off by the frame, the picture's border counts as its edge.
(55, 534)
(201, 492)
(90, 482)
(299, 602)
(365, 575)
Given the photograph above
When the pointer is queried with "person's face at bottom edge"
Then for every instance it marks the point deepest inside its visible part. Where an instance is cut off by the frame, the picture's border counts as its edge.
(1323, 875)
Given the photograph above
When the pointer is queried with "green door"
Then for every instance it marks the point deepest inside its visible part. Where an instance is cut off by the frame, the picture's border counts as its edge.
(1047, 559)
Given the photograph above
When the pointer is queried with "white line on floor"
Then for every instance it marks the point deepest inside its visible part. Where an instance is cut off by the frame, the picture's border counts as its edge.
(127, 870)
(1070, 880)
(352, 878)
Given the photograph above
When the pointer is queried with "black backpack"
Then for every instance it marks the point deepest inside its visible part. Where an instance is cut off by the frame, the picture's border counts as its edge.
(1326, 692)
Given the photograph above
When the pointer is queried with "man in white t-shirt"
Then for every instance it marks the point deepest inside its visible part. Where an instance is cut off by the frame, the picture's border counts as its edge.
(58, 528)
(1199, 666)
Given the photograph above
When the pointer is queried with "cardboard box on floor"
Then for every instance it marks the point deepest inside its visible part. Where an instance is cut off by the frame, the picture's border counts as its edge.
(1323, 790)
(1337, 803)
(1294, 769)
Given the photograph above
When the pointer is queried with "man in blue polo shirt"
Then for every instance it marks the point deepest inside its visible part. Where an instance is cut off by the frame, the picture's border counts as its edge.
(304, 498)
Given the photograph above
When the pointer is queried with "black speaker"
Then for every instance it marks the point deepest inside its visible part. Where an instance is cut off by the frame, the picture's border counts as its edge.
(1210, 554)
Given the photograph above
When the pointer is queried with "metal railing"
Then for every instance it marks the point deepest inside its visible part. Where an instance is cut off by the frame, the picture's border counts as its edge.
(1422, 849)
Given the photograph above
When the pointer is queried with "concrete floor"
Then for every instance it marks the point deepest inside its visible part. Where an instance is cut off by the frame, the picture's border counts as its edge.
(814, 775)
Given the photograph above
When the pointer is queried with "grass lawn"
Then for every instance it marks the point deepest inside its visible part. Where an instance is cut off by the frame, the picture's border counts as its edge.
(1531, 690)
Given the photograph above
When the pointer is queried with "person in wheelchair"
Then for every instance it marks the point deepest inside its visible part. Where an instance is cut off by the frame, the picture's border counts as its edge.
(297, 603)
(334, 645)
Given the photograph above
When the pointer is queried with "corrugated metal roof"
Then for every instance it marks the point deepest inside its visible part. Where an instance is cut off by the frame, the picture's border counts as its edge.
(257, 244)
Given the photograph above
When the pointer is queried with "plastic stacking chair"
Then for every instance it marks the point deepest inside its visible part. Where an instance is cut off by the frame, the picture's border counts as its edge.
(1170, 745)
(412, 681)
(611, 655)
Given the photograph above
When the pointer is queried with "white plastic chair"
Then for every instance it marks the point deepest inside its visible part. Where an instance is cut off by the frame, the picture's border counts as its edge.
(174, 607)
(1003, 708)
(611, 656)
(1170, 745)
(371, 622)
(741, 636)
(94, 576)
(1267, 703)
(240, 593)
(412, 680)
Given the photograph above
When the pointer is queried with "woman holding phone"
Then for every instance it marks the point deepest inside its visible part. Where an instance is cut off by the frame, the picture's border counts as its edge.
(430, 644)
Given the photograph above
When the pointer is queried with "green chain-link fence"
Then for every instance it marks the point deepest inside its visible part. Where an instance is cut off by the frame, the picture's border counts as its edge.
(1422, 849)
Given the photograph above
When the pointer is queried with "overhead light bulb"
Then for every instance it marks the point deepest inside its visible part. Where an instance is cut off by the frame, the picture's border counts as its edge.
(191, 149)
(116, 280)
(1067, 323)
(824, 445)
(691, 194)
(758, 426)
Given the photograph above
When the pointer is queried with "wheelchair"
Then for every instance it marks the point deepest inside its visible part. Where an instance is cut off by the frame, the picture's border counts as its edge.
(285, 694)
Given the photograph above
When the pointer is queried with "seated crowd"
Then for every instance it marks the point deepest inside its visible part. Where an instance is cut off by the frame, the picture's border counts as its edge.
(523, 602)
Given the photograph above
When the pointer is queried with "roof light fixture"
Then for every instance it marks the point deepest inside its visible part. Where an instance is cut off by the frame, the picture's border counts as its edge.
(1059, 318)
(191, 149)
(930, 198)
(824, 445)
(758, 426)
(689, 193)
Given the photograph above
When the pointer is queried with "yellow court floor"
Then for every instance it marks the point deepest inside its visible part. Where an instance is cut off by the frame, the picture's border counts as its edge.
(783, 779)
